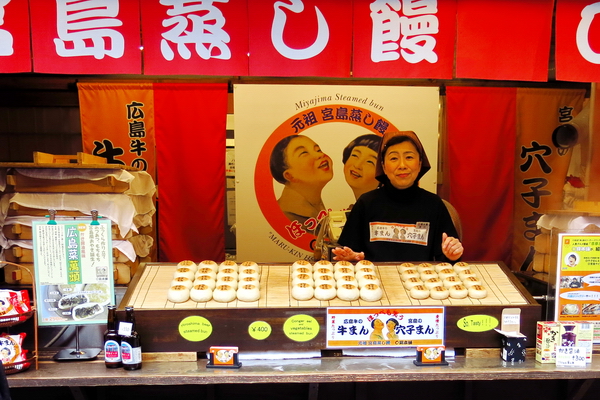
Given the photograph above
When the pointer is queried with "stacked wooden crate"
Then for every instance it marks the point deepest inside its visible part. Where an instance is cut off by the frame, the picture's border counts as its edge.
(74, 186)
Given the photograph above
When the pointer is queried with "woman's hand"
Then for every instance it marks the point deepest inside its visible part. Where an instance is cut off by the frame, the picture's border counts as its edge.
(451, 247)
(347, 254)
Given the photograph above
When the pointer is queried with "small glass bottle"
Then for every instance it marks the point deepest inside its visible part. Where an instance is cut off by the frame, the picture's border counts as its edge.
(131, 348)
(112, 340)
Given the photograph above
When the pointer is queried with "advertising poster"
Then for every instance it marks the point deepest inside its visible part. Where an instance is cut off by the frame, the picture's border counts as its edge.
(73, 271)
(395, 327)
(304, 150)
(578, 277)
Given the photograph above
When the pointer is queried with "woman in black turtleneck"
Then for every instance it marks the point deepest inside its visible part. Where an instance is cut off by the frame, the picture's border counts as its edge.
(399, 221)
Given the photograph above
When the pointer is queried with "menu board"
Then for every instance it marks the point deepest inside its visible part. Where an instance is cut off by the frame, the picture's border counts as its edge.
(578, 277)
(73, 271)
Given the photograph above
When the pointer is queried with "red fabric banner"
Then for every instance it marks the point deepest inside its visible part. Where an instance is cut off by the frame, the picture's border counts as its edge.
(199, 38)
(190, 124)
(404, 40)
(15, 53)
(577, 52)
(304, 38)
(481, 128)
(504, 40)
(86, 37)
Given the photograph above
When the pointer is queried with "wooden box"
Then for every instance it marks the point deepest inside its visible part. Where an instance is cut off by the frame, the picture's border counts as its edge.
(158, 319)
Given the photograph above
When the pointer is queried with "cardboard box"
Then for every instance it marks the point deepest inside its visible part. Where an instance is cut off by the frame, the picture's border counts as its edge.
(546, 339)
(513, 348)
(513, 341)
(578, 334)
(551, 334)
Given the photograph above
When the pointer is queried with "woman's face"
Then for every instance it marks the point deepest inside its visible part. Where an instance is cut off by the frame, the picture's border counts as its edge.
(402, 164)
(306, 162)
(359, 169)
(391, 326)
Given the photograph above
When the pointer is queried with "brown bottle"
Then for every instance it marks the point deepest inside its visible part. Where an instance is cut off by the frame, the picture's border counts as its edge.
(112, 341)
(131, 349)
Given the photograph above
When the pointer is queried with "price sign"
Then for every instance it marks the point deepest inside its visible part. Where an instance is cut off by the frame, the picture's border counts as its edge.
(567, 356)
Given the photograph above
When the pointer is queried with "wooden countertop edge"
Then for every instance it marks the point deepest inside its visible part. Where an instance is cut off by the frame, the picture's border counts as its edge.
(322, 370)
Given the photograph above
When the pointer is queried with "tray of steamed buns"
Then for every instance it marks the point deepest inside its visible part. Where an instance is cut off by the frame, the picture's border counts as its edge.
(209, 284)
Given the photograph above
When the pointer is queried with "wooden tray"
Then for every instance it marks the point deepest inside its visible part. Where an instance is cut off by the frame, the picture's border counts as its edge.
(158, 318)
(21, 183)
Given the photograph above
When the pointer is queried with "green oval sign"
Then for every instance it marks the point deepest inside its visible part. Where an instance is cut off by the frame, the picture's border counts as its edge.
(259, 330)
(195, 328)
(477, 323)
(301, 328)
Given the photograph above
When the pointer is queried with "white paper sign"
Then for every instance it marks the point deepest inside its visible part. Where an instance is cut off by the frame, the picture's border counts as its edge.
(567, 356)
(384, 327)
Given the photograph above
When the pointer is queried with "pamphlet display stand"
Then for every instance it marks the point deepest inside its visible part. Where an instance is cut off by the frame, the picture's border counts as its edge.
(73, 262)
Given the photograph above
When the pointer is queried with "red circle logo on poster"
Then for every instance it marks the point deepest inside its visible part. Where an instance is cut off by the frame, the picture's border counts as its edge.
(292, 159)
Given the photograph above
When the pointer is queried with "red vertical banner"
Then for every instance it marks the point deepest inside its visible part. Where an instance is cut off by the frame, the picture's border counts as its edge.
(577, 52)
(190, 140)
(394, 39)
(481, 138)
(300, 38)
(117, 123)
(504, 40)
(86, 37)
(541, 161)
(197, 38)
(15, 53)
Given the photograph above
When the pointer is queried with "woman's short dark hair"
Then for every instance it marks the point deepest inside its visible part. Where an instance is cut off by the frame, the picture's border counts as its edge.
(369, 140)
(398, 140)
(394, 320)
(278, 163)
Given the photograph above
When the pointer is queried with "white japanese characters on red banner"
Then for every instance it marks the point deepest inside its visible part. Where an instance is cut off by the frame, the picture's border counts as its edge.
(86, 37)
(15, 52)
(410, 38)
(200, 37)
(384, 327)
(304, 38)
(330, 38)
(73, 271)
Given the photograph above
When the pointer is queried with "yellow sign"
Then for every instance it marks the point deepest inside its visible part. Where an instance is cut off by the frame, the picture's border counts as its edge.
(259, 330)
(301, 328)
(195, 329)
(477, 323)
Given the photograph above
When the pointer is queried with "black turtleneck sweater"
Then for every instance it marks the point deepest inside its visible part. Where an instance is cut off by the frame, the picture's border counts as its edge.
(390, 224)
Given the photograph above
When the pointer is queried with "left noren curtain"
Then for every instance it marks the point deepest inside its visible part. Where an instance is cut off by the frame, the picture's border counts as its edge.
(186, 123)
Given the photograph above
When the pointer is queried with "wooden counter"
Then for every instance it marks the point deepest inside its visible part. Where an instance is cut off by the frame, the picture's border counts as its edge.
(315, 370)
(481, 377)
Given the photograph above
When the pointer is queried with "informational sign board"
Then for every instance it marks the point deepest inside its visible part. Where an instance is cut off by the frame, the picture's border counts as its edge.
(73, 271)
(578, 277)
(384, 327)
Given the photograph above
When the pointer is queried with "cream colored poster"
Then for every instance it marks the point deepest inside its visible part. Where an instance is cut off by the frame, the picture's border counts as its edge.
(304, 150)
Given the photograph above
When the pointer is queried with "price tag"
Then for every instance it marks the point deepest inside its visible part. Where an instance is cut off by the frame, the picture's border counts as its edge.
(125, 328)
(570, 356)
